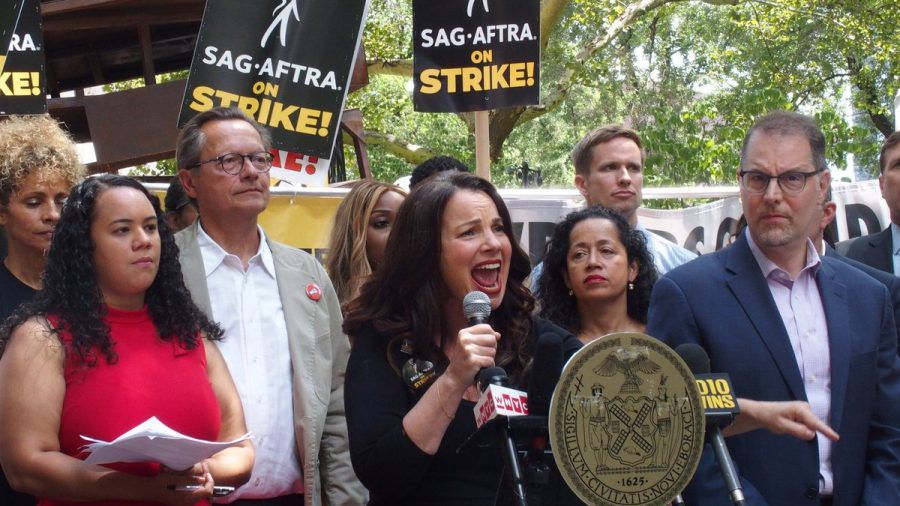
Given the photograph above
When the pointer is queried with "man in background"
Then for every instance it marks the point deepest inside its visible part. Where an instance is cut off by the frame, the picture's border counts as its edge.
(881, 250)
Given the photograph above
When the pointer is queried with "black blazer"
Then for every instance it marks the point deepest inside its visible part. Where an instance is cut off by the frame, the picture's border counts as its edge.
(874, 250)
(889, 280)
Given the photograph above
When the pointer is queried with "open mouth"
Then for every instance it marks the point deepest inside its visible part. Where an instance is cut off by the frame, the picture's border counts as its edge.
(487, 276)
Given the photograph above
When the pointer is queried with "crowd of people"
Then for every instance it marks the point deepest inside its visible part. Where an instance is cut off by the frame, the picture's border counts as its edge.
(356, 379)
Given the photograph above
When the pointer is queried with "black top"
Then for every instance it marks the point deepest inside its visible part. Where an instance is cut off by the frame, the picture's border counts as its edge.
(388, 463)
(12, 292)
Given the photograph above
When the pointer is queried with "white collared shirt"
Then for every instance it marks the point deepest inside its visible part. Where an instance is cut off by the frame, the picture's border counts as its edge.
(803, 314)
(666, 254)
(247, 306)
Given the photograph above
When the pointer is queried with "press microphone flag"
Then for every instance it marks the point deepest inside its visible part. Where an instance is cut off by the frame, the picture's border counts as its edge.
(697, 359)
(500, 401)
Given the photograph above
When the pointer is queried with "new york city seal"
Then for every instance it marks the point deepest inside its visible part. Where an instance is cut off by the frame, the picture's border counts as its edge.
(626, 422)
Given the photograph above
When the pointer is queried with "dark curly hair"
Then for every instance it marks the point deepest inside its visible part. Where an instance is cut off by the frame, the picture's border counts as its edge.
(553, 294)
(72, 295)
(404, 298)
(435, 165)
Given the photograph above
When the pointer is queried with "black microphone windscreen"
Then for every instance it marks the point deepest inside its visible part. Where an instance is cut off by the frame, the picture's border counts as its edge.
(545, 372)
(694, 356)
(476, 305)
(491, 376)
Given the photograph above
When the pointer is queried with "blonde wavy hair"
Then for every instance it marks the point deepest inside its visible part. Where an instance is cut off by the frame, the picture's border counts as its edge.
(35, 145)
(347, 263)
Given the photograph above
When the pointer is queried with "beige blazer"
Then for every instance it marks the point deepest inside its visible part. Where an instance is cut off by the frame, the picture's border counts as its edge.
(319, 351)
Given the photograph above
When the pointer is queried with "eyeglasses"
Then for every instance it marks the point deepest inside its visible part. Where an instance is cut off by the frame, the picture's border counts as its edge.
(232, 163)
(791, 183)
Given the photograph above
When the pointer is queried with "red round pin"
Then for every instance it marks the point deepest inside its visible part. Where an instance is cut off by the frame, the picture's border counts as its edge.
(313, 291)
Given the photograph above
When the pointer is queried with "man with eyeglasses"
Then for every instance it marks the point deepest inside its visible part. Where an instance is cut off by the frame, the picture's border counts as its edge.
(881, 250)
(283, 341)
(791, 327)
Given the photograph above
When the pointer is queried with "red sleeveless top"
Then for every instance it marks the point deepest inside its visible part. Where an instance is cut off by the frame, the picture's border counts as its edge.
(151, 377)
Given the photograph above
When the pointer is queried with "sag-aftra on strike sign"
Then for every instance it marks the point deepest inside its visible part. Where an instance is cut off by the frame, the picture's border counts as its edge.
(287, 63)
(475, 55)
(22, 87)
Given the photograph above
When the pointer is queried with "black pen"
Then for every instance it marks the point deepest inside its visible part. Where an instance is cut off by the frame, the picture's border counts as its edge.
(218, 491)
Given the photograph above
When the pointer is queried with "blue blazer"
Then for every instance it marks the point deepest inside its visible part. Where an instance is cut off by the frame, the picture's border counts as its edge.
(722, 302)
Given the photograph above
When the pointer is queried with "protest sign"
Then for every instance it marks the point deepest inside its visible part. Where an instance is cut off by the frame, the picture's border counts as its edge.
(22, 67)
(475, 55)
(287, 63)
(9, 17)
(300, 170)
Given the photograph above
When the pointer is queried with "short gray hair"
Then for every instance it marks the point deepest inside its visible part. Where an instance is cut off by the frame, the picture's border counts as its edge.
(790, 123)
(191, 139)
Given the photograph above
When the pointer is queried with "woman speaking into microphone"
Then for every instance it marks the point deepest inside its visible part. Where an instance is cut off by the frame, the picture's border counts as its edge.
(410, 386)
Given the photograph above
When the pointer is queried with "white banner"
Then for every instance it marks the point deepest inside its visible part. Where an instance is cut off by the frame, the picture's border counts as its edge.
(703, 229)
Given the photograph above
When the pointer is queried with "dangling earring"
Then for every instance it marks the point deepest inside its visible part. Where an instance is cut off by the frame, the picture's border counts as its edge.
(571, 292)
(630, 285)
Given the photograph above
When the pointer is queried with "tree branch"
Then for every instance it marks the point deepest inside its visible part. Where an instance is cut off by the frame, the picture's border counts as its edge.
(403, 68)
(551, 13)
(870, 96)
(559, 91)
(412, 153)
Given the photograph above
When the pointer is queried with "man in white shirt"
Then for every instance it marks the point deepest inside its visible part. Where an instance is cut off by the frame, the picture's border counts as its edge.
(609, 171)
(881, 250)
(283, 341)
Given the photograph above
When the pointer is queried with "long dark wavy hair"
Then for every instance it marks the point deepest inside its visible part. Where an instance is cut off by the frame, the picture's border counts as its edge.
(72, 295)
(405, 298)
(553, 294)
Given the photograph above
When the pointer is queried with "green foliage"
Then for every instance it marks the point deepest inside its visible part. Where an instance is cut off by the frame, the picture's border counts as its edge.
(690, 76)
(387, 108)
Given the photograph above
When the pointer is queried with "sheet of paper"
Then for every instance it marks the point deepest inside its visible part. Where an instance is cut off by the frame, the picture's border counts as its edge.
(154, 441)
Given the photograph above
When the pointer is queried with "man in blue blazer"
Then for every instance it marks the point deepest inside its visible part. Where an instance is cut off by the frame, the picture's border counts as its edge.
(877, 249)
(789, 325)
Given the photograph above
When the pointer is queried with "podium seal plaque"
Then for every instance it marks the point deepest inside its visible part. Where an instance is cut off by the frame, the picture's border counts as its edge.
(626, 422)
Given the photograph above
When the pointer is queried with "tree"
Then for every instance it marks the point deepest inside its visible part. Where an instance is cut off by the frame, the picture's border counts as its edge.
(690, 76)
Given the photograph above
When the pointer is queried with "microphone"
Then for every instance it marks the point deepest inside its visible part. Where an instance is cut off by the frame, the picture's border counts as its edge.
(476, 307)
(545, 373)
(698, 361)
(499, 400)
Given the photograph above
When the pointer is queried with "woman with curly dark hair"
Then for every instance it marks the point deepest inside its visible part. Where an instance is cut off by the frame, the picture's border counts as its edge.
(416, 354)
(598, 274)
(111, 340)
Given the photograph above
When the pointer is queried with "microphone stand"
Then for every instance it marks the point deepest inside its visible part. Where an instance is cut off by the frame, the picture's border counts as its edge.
(732, 482)
(511, 459)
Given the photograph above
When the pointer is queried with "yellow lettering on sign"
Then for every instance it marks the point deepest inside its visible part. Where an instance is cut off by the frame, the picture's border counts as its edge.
(477, 78)
(272, 113)
(19, 84)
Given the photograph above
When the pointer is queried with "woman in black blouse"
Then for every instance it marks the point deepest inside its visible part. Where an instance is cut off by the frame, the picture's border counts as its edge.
(38, 166)
(410, 389)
